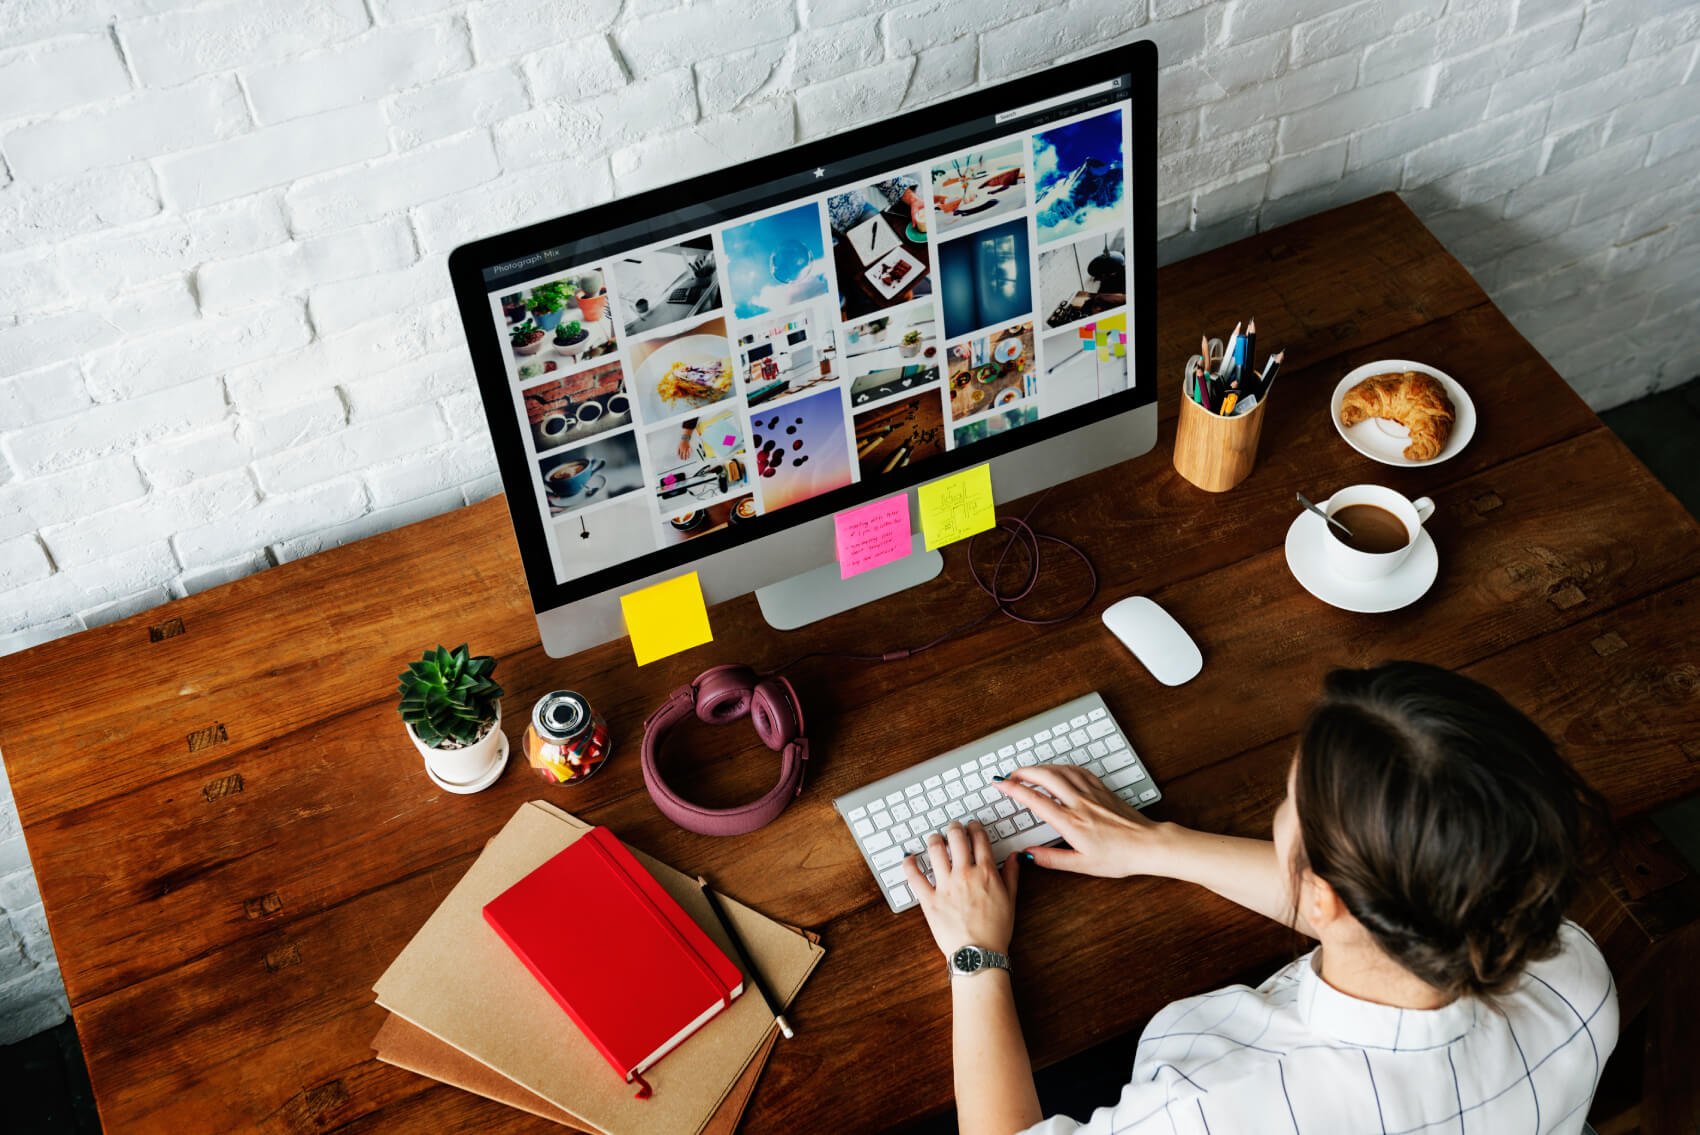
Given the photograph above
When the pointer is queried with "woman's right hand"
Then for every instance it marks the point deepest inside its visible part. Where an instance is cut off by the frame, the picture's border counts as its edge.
(1105, 836)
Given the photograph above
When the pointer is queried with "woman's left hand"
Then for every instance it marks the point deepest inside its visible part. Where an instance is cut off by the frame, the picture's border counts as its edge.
(973, 901)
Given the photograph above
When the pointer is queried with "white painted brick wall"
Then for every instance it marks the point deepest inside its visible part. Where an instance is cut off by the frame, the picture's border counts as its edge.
(226, 338)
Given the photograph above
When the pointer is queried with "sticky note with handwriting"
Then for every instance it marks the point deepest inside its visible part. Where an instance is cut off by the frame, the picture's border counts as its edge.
(872, 535)
(666, 618)
(957, 506)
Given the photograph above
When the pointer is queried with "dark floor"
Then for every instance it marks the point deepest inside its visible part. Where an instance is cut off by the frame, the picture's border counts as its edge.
(47, 1088)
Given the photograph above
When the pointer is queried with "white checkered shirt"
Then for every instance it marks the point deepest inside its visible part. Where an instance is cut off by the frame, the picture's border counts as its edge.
(1296, 1054)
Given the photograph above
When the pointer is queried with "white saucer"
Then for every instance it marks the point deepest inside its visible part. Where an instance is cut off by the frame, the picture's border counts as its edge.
(1385, 441)
(479, 785)
(1307, 557)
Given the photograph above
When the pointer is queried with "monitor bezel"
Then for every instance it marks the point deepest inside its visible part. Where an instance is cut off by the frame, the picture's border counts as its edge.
(468, 262)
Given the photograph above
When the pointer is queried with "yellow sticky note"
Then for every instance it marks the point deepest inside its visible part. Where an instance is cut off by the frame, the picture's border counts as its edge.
(957, 506)
(666, 618)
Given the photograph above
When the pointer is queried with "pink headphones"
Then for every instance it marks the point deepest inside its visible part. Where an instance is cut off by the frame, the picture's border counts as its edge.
(721, 696)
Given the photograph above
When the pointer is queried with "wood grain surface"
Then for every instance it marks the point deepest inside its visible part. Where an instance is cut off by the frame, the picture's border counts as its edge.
(234, 837)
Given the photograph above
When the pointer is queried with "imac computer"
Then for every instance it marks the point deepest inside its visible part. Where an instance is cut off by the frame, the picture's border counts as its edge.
(699, 377)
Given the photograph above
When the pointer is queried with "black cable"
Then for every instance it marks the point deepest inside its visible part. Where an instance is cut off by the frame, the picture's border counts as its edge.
(1018, 533)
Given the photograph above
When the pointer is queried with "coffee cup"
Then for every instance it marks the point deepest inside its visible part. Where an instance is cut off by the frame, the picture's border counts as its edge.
(1386, 528)
(553, 429)
(569, 477)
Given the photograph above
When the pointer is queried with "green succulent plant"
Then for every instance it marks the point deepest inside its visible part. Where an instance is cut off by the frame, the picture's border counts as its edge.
(448, 697)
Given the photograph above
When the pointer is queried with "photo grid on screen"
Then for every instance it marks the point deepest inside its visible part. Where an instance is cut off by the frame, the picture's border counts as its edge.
(680, 388)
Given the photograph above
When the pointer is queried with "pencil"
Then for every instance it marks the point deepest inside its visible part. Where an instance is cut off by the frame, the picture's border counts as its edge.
(743, 957)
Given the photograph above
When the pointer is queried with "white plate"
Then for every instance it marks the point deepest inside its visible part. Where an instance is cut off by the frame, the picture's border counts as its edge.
(1385, 441)
(695, 350)
(1307, 557)
(911, 269)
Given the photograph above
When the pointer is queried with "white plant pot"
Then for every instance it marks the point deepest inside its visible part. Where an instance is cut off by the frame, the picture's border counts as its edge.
(468, 769)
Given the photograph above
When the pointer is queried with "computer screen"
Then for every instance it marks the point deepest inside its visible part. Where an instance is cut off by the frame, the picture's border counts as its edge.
(703, 365)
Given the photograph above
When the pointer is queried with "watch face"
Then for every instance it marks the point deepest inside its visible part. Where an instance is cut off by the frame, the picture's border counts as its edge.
(967, 960)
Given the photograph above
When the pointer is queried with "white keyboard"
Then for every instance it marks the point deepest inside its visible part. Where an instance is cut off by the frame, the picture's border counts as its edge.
(890, 818)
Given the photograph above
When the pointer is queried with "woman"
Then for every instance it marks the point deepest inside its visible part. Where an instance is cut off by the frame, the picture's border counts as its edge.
(1430, 840)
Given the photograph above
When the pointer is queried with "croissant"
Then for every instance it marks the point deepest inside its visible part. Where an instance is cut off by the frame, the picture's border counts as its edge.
(1416, 401)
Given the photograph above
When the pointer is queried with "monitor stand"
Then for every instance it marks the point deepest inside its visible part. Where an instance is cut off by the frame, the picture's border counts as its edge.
(819, 593)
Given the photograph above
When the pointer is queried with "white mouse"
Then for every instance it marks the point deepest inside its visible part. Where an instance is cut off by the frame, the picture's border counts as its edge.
(1159, 642)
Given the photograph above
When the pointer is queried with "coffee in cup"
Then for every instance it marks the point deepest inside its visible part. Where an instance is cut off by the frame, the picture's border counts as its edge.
(1384, 526)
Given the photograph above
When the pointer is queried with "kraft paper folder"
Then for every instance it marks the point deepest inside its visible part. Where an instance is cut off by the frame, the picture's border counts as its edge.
(412, 1048)
(459, 982)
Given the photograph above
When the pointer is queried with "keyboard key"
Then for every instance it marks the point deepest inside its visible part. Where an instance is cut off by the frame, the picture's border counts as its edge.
(892, 876)
(932, 782)
(1095, 767)
(1118, 760)
(1024, 743)
(952, 773)
(1078, 738)
(1078, 720)
(936, 797)
(1003, 829)
(1080, 756)
(938, 818)
(1044, 752)
(1118, 779)
(882, 818)
(914, 845)
(1148, 794)
(1004, 807)
(1023, 821)
(1098, 714)
(1042, 735)
(894, 798)
(889, 857)
(900, 811)
(1007, 751)
(878, 841)
(1097, 748)
(954, 789)
(1115, 741)
(900, 830)
(987, 816)
(856, 814)
(973, 782)
(863, 828)
(988, 760)
(913, 790)
(1101, 728)
(900, 895)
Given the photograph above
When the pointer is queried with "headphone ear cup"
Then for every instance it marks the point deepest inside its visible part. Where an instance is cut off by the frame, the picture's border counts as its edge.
(723, 694)
(773, 714)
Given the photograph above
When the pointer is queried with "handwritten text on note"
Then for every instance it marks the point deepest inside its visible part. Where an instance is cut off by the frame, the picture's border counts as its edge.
(956, 507)
(872, 535)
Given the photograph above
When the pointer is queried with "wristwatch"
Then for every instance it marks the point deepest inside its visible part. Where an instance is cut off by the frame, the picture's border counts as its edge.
(973, 959)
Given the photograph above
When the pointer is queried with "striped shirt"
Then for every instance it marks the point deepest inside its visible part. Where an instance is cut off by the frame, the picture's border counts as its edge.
(1297, 1054)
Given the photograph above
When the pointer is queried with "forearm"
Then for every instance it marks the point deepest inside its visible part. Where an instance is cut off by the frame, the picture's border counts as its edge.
(1243, 871)
(994, 1079)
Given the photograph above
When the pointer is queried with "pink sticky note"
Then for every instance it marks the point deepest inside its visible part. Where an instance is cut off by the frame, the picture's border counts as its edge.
(872, 535)
(728, 439)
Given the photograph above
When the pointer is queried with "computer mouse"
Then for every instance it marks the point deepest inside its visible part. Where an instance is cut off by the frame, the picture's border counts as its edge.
(1160, 643)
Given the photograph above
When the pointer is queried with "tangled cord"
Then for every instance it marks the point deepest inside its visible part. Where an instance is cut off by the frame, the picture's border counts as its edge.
(1017, 533)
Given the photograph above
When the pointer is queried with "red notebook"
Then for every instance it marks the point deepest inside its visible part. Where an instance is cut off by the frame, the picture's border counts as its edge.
(630, 967)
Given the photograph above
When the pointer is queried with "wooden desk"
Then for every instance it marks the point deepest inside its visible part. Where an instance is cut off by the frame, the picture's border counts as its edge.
(234, 837)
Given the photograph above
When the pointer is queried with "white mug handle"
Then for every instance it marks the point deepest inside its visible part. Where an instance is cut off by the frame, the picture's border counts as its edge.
(1425, 509)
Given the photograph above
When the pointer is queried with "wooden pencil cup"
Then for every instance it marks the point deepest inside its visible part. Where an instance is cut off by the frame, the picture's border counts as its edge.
(1213, 452)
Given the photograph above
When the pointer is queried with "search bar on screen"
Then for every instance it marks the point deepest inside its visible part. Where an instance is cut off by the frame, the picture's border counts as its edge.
(1060, 100)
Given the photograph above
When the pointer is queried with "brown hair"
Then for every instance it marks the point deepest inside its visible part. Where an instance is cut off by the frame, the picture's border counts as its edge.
(1444, 819)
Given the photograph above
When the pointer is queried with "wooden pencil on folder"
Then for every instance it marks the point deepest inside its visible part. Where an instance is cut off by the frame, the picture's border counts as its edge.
(742, 956)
